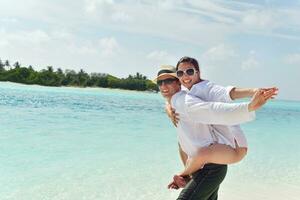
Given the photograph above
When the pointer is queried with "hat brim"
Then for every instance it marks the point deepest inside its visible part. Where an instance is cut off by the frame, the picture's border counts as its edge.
(164, 74)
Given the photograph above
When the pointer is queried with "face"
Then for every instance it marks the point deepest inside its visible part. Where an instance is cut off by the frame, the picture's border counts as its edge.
(168, 87)
(188, 79)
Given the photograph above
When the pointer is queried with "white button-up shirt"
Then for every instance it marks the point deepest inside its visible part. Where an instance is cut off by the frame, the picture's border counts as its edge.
(209, 91)
(196, 115)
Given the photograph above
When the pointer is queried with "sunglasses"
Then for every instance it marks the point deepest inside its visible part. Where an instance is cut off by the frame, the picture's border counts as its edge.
(189, 72)
(166, 81)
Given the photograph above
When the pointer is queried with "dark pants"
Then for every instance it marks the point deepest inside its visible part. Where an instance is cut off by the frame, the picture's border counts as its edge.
(205, 183)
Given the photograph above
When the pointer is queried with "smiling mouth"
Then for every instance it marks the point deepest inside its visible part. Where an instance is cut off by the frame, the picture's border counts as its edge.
(187, 81)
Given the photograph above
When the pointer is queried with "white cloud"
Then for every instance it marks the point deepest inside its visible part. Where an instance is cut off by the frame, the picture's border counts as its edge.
(218, 58)
(167, 4)
(156, 58)
(251, 62)
(292, 59)
(213, 10)
(57, 48)
(62, 35)
(25, 39)
(159, 57)
(220, 18)
(261, 19)
(219, 53)
(109, 46)
(106, 10)
(121, 16)
(8, 20)
(102, 6)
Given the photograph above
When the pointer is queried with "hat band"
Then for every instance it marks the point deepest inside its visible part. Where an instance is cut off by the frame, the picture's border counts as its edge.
(164, 71)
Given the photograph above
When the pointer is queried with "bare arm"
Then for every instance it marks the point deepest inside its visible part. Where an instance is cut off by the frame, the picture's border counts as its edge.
(172, 114)
(182, 182)
(238, 93)
(183, 155)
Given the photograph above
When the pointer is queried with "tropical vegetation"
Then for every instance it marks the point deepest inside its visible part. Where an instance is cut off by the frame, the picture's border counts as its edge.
(50, 77)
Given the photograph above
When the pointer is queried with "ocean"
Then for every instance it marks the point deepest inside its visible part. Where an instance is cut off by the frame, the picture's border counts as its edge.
(60, 143)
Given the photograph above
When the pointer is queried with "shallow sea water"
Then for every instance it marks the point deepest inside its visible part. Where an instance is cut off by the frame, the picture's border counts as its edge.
(93, 143)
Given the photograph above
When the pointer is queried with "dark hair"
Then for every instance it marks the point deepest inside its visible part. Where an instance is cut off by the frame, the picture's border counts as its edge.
(190, 60)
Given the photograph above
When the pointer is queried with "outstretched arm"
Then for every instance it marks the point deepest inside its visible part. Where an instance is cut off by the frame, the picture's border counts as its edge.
(238, 93)
(225, 113)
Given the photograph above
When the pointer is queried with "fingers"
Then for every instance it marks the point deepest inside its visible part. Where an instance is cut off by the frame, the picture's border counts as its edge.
(261, 96)
(172, 185)
(175, 187)
(169, 109)
(174, 123)
(174, 117)
(257, 101)
(274, 90)
(172, 114)
(270, 88)
(179, 181)
(270, 94)
(257, 94)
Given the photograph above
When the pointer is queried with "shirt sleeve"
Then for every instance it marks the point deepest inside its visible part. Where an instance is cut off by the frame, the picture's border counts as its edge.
(200, 111)
(220, 93)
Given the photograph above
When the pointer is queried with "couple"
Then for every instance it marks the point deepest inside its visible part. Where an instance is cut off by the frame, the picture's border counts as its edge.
(207, 123)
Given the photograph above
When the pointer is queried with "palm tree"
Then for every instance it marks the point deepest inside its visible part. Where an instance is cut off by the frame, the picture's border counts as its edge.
(1, 66)
(7, 63)
(50, 69)
(17, 65)
(83, 78)
(59, 71)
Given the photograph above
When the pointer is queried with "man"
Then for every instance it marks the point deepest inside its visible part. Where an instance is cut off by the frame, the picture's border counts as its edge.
(231, 143)
(195, 117)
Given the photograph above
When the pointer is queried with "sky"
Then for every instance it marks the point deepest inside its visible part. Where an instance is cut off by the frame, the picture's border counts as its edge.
(241, 43)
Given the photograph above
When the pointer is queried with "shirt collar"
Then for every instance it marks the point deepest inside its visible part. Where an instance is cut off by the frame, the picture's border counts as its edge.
(194, 86)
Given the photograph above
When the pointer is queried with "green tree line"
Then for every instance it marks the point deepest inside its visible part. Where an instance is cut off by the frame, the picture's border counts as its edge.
(50, 77)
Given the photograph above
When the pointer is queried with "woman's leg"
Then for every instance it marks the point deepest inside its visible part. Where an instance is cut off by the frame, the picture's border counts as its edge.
(216, 153)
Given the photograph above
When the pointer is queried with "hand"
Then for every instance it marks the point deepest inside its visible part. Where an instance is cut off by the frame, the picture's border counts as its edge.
(261, 97)
(172, 114)
(274, 89)
(173, 185)
(178, 182)
(264, 90)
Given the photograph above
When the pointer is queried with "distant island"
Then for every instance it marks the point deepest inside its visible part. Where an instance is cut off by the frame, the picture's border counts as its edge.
(50, 77)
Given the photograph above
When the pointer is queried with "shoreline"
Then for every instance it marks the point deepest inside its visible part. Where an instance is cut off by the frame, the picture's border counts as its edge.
(79, 87)
(117, 89)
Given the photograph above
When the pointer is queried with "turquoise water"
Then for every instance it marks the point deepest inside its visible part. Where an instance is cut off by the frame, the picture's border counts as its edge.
(73, 143)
